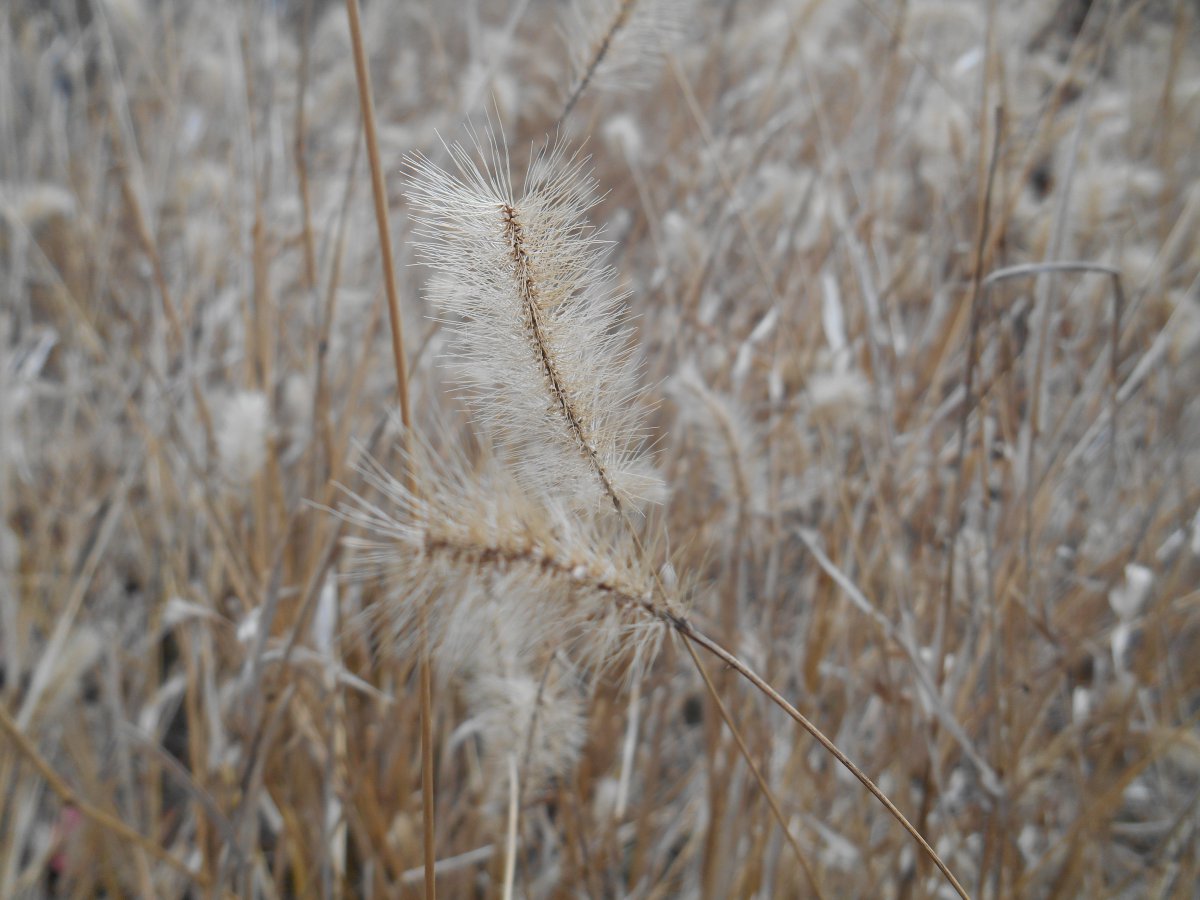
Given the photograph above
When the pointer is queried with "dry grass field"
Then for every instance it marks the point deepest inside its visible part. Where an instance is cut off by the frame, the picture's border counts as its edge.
(743, 384)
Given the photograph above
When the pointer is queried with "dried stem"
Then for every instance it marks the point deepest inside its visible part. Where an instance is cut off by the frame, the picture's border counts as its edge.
(510, 844)
(758, 776)
(687, 630)
(366, 102)
(379, 192)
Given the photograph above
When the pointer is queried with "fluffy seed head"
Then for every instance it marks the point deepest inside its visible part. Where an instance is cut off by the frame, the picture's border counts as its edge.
(540, 327)
(473, 540)
(617, 43)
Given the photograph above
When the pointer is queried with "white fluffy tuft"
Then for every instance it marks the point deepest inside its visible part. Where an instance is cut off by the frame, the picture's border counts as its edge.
(541, 332)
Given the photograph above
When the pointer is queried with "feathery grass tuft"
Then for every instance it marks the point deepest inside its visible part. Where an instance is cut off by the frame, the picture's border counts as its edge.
(474, 535)
(616, 43)
(540, 325)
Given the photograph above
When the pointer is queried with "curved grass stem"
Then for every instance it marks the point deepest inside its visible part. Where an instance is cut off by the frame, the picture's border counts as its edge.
(688, 631)
(758, 776)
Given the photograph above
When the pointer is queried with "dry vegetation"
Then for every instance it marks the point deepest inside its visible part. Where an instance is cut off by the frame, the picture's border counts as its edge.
(940, 490)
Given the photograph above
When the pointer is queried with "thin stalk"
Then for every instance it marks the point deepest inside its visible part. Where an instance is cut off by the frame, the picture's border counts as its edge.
(300, 152)
(758, 776)
(379, 193)
(428, 810)
(510, 844)
(688, 631)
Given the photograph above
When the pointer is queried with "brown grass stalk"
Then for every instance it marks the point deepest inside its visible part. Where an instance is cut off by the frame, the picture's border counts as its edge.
(379, 192)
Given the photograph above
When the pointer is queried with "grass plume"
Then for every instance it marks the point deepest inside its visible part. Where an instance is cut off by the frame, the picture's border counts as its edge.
(615, 43)
(473, 534)
(541, 336)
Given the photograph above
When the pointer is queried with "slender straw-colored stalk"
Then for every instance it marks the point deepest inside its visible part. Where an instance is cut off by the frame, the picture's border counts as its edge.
(428, 809)
(968, 383)
(510, 844)
(379, 192)
(299, 152)
(397, 330)
(756, 772)
(688, 631)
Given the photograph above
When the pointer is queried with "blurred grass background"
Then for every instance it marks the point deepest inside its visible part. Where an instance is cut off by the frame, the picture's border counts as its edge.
(943, 493)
